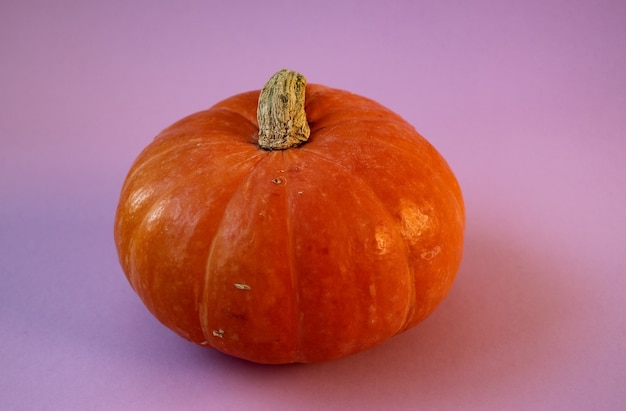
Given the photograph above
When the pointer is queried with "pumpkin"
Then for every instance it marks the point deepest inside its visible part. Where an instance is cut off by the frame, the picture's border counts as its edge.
(299, 223)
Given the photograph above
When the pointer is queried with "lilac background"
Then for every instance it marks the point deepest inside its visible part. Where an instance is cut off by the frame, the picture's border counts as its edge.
(526, 100)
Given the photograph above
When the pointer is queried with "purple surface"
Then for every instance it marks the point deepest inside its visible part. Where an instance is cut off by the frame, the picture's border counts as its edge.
(526, 100)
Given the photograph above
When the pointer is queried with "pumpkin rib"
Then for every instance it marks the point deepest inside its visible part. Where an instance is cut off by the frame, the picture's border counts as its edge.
(381, 203)
(245, 102)
(317, 125)
(150, 155)
(175, 184)
(347, 170)
(295, 283)
(154, 152)
(204, 301)
(393, 145)
(149, 211)
(144, 220)
(238, 113)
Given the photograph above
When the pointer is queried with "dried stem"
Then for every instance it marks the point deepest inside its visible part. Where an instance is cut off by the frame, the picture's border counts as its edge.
(280, 113)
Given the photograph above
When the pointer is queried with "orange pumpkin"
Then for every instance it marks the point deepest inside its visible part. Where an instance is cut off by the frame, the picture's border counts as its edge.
(318, 229)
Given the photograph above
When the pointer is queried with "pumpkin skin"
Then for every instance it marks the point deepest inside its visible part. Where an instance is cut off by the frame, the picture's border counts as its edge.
(300, 255)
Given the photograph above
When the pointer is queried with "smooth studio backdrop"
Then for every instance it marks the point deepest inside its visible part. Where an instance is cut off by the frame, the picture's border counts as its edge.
(525, 99)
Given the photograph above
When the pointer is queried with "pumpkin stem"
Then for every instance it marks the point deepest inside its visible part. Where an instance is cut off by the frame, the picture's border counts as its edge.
(280, 113)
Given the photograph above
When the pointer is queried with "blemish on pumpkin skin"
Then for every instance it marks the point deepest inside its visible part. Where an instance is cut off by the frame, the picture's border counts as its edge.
(382, 240)
(241, 286)
(414, 221)
(428, 255)
(277, 181)
(218, 333)
(372, 290)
